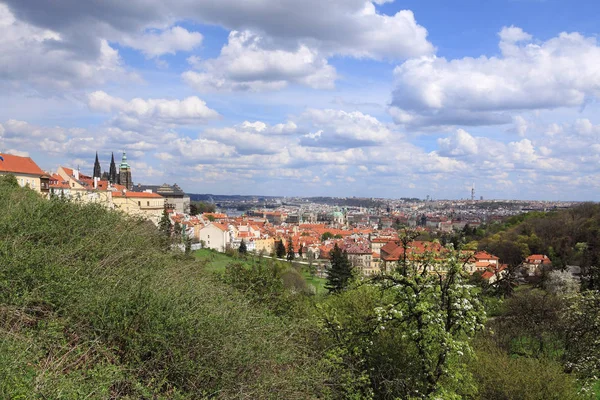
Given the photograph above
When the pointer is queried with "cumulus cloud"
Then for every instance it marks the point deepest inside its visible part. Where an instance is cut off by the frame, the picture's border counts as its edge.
(341, 129)
(247, 63)
(42, 58)
(169, 41)
(189, 111)
(347, 27)
(560, 72)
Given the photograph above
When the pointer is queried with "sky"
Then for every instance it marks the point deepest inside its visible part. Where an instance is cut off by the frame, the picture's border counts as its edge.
(367, 98)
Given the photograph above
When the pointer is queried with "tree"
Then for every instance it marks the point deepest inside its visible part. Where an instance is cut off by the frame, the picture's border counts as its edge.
(280, 249)
(243, 249)
(164, 225)
(340, 272)
(300, 250)
(407, 333)
(326, 236)
(291, 254)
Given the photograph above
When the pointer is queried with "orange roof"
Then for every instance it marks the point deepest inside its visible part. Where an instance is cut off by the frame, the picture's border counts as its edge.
(70, 172)
(22, 165)
(220, 226)
(57, 181)
(137, 195)
(484, 255)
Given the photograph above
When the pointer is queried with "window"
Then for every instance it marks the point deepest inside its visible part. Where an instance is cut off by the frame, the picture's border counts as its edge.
(148, 203)
(139, 203)
(209, 236)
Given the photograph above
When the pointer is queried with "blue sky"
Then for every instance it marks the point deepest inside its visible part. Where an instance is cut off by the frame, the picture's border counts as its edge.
(372, 98)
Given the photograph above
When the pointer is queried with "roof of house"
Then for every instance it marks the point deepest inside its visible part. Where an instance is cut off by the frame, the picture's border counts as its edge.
(71, 172)
(136, 195)
(484, 255)
(16, 164)
(58, 182)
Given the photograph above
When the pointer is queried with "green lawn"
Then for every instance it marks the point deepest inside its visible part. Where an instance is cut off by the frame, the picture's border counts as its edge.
(216, 262)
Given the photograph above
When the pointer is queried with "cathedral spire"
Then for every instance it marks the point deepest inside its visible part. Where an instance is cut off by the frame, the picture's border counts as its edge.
(112, 172)
(97, 169)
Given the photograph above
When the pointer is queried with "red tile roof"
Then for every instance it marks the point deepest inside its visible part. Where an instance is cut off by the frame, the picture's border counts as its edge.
(137, 195)
(22, 165)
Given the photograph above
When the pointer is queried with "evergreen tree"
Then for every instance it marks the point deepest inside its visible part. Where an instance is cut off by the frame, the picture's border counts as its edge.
(280, 249)
(243, 249)
(164, 225)
(340, 272)
(300, 250)
(290, 250)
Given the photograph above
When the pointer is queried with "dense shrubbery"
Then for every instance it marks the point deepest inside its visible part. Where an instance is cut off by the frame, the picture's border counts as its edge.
(90, 305)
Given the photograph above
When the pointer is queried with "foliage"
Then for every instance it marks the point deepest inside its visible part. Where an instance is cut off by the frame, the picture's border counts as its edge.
(502, 377)
(201, 207)
(407, 333)
(91, 306)
(340, 272)
(280, 249)
(582, 317)
(164, 225)
(291, 254)
(326, 236)
(243, 249)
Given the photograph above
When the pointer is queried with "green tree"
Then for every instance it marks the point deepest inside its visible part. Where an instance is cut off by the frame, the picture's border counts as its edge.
(280, 249)
(407, 334)
(326, 236)
(300, 250)
(291, 254)
(164, 225)
(243, 249)
(339, 273)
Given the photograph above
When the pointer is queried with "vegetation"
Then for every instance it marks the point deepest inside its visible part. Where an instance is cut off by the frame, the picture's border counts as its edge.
(201, 207)
(340, 273)
(91, 306)
(280, 251)
(94, 305)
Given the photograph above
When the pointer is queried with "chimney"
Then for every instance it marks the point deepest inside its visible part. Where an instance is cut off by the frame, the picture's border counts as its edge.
(96, 182)
(76, 173)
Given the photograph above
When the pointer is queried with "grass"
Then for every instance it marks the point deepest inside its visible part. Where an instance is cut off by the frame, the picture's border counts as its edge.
(216, 262)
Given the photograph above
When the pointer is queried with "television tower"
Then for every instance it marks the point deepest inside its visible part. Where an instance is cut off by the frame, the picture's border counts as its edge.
(473, 192)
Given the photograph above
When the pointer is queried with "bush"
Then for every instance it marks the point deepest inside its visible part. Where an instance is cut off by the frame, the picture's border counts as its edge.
(92, 306)
(501, 377)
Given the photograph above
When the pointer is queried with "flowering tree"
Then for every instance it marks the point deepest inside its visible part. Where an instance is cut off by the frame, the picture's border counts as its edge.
(413, 338)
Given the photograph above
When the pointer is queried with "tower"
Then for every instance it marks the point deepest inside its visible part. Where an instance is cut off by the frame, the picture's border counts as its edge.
(473, 192)
(97, 170)
(125, 173)
(112, 172)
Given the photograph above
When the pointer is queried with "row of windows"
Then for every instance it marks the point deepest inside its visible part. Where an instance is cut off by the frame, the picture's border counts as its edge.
(27, 182)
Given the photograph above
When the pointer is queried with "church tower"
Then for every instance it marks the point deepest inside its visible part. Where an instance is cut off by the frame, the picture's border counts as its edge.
(125, 173)
(112, 172)
(97, 169)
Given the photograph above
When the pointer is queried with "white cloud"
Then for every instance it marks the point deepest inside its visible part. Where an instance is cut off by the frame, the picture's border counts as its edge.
(191, 110)
(41, 58)
(560, 72)
(341, 129)
(169, 41)
(247, 63)
(459, 144)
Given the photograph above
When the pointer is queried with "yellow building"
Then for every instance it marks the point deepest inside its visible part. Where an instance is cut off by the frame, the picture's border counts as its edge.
(26, 171)
(267, 245)
(143, 204)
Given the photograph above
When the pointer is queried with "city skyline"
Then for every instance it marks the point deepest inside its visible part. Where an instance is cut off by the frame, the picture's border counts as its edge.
(382, 99)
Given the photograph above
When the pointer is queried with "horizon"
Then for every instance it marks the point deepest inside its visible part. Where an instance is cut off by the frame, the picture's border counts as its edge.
(360, 98)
